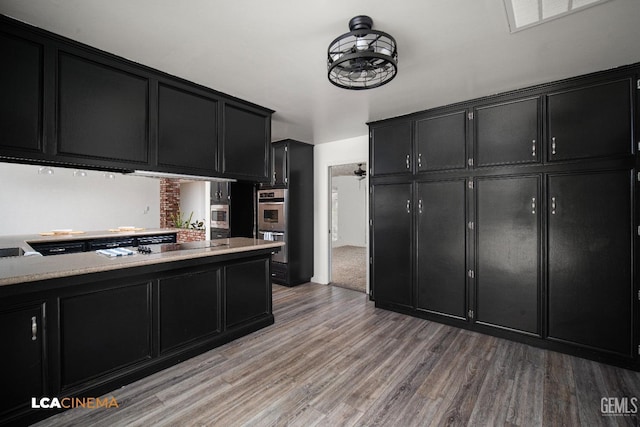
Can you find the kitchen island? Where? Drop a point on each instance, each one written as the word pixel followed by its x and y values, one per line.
pixel 82 324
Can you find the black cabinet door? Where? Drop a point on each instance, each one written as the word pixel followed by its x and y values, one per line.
pixel 219 192
pixel 392 244
pixel 189 308
pixel 590 260
pixel 22 368
pixel 103 115
pixel 441 142
pixel 391 148
pixel 441 248
pixel 507 133
pixel 104 331
pixel 592 121
pixel 187 131
pixel 247 291
pixel 246 144
pixel 280 172
pixel 508 248
pixel 21 102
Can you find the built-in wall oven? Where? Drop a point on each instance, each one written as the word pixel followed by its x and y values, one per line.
pixel 272 219
pixel 219 221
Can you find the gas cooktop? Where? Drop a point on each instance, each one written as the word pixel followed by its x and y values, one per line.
pixel 170 247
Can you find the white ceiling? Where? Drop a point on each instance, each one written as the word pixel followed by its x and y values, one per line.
pixel 273 52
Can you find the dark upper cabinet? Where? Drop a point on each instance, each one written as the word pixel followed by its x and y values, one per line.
pixel 507 133
pixel 187 131
pixel 219 193
pixel 280 170
pixel 246 296
pixel 590 238
pixel 441 142
pixel 21 103
pixel 103 113
pixel 589 122
pixel 391 148
pixel 110 328
pixel 188 308
pixel 392 247
pixel 22 369
pixel 441 256
pixel 246 143
pixel 508 248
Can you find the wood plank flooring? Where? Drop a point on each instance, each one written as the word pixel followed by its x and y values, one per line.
pixel 332 359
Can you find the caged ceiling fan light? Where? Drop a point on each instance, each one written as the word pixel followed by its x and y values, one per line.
pixel 362 58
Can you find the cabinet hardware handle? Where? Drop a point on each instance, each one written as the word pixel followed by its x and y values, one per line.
pixel 419 160
pixel 408 162
pixel 408 206
pixel 553 206
pixel 533 205
pixel 58 250
pixel 420 206
pixel 34 328
pixel 533 148
pixel 553 145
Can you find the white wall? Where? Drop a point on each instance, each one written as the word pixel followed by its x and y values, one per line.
pixel 352 150
pixel 352 211
pixel 31 203
pixel 194 197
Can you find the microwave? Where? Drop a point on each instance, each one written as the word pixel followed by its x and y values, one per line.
pixel 220 216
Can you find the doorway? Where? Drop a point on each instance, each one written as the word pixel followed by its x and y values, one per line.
pixel 348 188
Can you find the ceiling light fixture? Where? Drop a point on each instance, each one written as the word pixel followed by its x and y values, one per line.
pixel 362 58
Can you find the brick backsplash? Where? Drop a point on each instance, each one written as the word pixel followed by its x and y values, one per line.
pixel 170 205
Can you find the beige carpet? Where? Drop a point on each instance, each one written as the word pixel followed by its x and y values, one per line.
pixel 348 267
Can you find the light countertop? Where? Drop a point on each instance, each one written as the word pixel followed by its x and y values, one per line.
pixel 15 270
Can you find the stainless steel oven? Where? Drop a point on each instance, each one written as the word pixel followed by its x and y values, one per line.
pixel 272 219
pixel 272 212
pixel 276 236
pixel 220 216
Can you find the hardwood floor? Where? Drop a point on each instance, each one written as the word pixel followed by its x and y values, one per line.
pixel 332 359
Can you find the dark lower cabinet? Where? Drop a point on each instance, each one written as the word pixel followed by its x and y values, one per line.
pixel 104 331
pixel 590 238
pixel 441 256
pixel 103 112
pixel 188 308
pixel 22 369
pixel 392 247
pixel 508 248
pixel 247 292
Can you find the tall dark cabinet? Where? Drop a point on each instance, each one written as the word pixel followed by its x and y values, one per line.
pixel 293 170
pixel 516 215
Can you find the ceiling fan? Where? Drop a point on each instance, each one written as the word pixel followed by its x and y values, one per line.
pixel 360 173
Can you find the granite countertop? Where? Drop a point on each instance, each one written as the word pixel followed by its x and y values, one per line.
pixel 15 270
pixel 23 240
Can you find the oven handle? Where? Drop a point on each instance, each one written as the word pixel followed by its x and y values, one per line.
pixel 271 202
